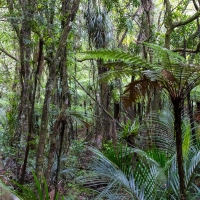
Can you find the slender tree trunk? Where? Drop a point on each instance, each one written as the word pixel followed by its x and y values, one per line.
pixel 50 85
pixel 53 144
pixel 62 133
pixel 31 115
pixel 44 125
pixel 105 101
pixel 116 111
pixel 178 107
pixel 156 99
pixel 190 111
pixel 23 32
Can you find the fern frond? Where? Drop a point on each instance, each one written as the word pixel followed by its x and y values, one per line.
pixel 113 74
pixel 116 55
pixel 137 89
pixel 80 117
pixel 164 55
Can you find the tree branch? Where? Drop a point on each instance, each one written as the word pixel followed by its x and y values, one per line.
pixel 195 4
pixel 186 50
pixel 187 21
pixel 126 30
pixel 8 54
pixel 66 30
pixel 168 14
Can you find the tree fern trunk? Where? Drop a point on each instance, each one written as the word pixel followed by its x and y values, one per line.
pixel 190 111
pixel 177 104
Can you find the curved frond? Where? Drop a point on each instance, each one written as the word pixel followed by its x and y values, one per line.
pixel 116 55
pixel 165 55
pixel 113 74
pixel 192 164
pixel 113 183
pixel 137 89
pixel 160 127
pixel 80 117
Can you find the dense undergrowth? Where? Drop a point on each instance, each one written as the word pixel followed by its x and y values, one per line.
pixel 123 170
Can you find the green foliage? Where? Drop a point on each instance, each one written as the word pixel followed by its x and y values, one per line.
pixel 80 117
pixel 120 70
pixel 120 155
pixel 169 69
pixel 124 181
pixel 116 95
pixel 195 93
pixel 187 139
pixel 132 173
pixel 39 194
pixel 152 176
pixel 130 129
pixel 115 55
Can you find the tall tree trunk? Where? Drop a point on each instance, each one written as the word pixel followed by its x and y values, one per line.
pixel 31 115
pixel 178 108
pixel 23 32
pixel 104 101
pixel 190 111
pixel 74 5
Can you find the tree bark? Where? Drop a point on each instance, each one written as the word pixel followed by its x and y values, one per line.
pixel 190 111
pixel 31 115
pixel 51 85
pixel 105 101
pixel 25 115
pixel 178 107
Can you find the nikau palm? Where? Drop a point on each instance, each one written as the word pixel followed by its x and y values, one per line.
pixel 170 72
pixel 123 172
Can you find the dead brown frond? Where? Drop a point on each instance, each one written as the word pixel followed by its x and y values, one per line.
pixel 168 75
pixel 137 89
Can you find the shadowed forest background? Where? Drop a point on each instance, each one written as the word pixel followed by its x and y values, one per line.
pixel 100 99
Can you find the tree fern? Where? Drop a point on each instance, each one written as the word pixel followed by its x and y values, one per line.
pixel 116 55
pixel 163 55
pixel 137 89
pixel 172 73
pixel 169 68
pixel 112 74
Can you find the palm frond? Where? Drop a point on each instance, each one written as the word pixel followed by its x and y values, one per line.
pixel 174 183
pixel 192 164
pixel 187 137
pixel 113 182
pixel 122 156
pixel 160 127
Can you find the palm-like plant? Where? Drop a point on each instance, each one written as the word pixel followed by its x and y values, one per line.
pixel 168 71
pixel 122 172
pixel 117 181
